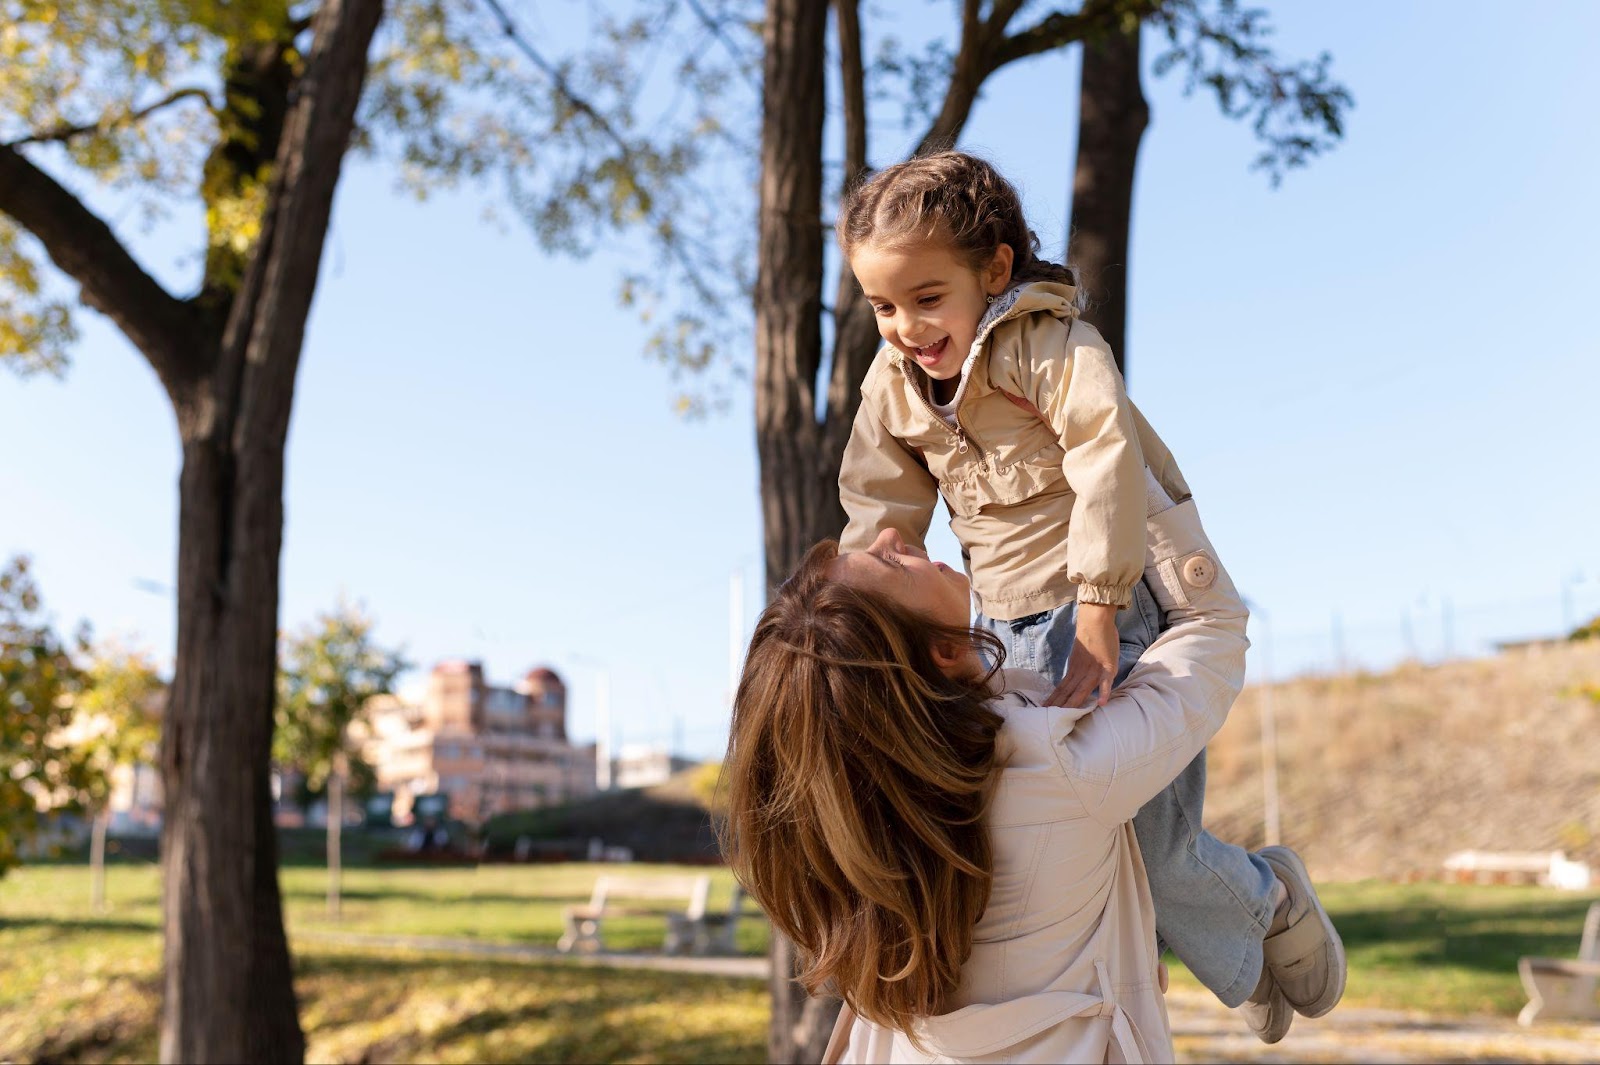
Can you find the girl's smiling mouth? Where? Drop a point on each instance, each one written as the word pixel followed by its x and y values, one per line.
pixel 932 353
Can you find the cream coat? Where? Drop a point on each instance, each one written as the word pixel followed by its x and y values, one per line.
pixel 1064 964
pixel 1046 443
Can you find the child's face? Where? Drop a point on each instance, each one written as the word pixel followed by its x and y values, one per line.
pixel 928 300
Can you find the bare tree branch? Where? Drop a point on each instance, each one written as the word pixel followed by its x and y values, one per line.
pixel 741 62
pixel 65 133
pixel 854 328
pixel 1059 28
pixel 162 327
pixel 853 75
pixel 967 72
pixel 1001 14
pixel 663 227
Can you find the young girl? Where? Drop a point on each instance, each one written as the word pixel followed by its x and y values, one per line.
pixel 992 393
pixel 949 856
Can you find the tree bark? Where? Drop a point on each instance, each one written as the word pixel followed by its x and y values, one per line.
pixel 1112 116
pixel 799 498
pixel 229 994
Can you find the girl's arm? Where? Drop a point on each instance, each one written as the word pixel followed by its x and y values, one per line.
pixel 1180 692
pixel 883 485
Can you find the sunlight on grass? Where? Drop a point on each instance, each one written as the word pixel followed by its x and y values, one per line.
pixel 1444 948
pixel 75 987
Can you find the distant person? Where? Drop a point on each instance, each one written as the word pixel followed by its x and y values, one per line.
pixel 993 393
pixel 949 855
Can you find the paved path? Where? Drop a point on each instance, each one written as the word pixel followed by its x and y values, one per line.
pixel 755 968
pixel 1203 1029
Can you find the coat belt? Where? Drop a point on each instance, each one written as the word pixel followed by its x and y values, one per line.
pixel 984 1029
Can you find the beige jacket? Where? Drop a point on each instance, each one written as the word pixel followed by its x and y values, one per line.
pixel 1048 442
pixel 1064 964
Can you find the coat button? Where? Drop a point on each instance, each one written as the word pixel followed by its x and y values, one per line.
pixel 1198 572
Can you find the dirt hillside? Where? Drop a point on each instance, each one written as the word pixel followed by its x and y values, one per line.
pixel 1383 775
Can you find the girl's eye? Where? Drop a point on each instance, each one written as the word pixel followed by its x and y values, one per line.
pixel 882 308
pixel 928 301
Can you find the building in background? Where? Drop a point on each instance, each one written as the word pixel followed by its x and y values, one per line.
pixel 485 749
pixel 638 766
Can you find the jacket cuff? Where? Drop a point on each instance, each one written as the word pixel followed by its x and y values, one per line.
pixel 1117 595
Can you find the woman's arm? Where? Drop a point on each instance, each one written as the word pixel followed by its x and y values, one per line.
pixel 1121 755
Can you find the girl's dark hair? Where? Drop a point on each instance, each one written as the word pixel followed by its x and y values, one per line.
pixel 949 196
pixel 857 778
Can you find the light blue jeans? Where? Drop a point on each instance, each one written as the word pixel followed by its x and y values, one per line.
pixel 1213 900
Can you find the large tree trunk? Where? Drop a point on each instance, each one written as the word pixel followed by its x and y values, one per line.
pixel 799 494
pixel 229 994
pixel 1112 115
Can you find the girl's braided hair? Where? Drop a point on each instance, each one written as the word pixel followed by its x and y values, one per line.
pixel 951 197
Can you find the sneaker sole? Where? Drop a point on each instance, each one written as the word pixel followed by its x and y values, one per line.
pixel 1276 1016
pixel 1290 861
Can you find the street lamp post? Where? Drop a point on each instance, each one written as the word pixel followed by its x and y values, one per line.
pixel 1269 732
pixel 602 713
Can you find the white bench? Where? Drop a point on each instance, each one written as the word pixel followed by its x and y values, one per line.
pixel 1517 867
pixel 1563 989
pixel 683 929
pixel 718 932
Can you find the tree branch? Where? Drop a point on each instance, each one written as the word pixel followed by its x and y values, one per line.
pixel 742 63
pixel 65 133
pixel 266 329
pixel 966 76
pixel 853 325
pixel 853 75
pixel 1058 29
pixel 163 328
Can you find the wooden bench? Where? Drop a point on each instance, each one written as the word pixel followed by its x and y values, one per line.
pixel 1563 989
pixel 683 929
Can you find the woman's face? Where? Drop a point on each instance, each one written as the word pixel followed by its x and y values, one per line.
pixel 907 575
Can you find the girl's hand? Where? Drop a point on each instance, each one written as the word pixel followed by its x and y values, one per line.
pixel 1093 662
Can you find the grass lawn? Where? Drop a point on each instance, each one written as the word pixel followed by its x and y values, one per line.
pixel 75 987
pixel 1445 948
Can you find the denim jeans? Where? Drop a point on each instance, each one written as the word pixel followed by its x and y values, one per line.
pixel 1213 900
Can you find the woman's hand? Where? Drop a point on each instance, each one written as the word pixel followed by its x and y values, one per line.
pixel 1093 662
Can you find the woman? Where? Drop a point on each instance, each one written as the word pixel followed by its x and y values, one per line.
pixel 950 857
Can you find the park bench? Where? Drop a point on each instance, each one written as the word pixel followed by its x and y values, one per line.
pixel 1561 988
pixel 583 923
pixel 718 932
pixel 1517 867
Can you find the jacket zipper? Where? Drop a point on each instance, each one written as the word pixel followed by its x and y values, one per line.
pixel 959 432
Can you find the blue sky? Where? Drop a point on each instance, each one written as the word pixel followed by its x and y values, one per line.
pixel 1380 379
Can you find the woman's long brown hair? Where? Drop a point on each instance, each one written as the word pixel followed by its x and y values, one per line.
pixel 857 777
